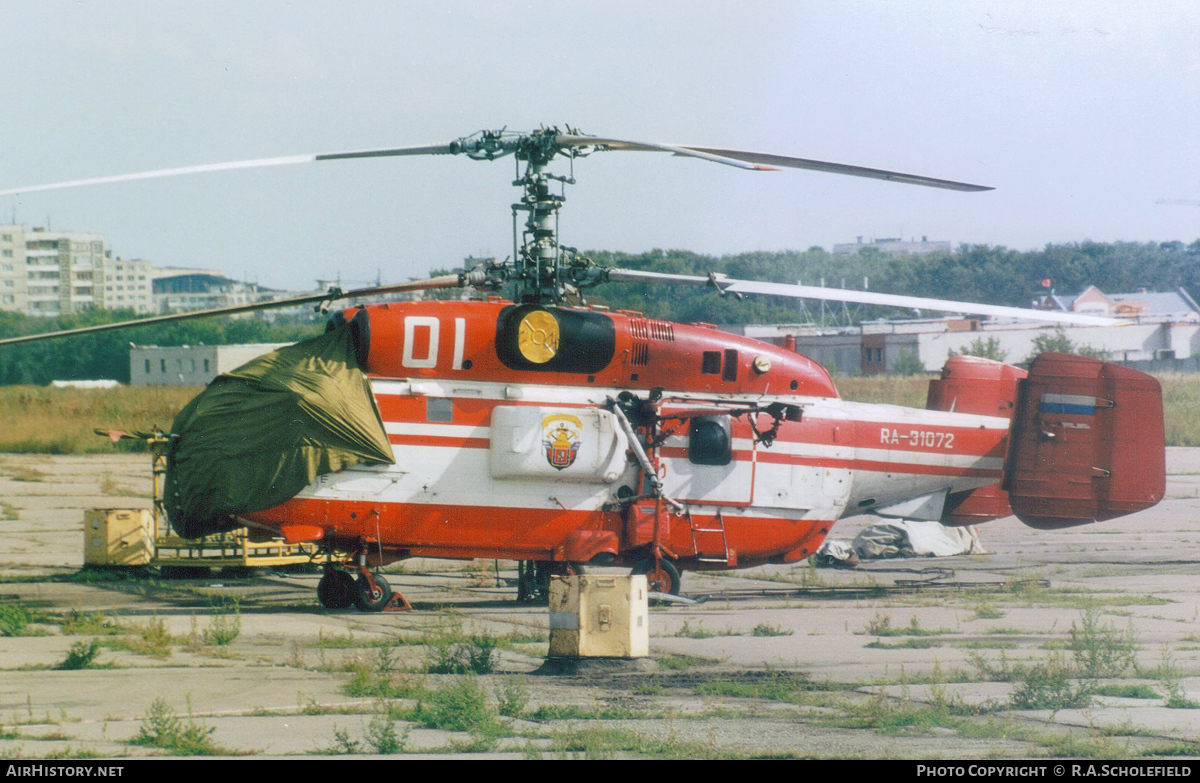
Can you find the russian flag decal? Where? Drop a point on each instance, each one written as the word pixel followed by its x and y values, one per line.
pixel 1078 404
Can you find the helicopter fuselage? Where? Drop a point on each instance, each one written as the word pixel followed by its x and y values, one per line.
pixel 507 433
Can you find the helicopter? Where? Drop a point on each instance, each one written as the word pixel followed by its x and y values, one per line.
pixel 526 424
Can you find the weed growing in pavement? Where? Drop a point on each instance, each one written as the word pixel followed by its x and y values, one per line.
pixel 80 656
pixel 1101 651
pixel 767 629
pixel 162 728
pixel 453 652
pixel 1051 685
pixel 460 706
pixel 986 610
pixel 1172 679
pixel 225 625
pixel 380 735
pixel 512 697
pixel 342 744
pixel 382 681
pixel 699 632
pixel 881 625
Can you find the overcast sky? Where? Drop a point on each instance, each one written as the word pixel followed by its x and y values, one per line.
pixel 1081 114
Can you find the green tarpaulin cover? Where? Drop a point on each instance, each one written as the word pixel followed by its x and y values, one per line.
pixel 261 433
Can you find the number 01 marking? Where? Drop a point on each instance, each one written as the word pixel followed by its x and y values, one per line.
pixel 429 360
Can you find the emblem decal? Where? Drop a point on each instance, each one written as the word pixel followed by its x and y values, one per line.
pixel 561 434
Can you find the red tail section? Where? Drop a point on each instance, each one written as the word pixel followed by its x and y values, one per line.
pixel 970 384
pixel 1086 443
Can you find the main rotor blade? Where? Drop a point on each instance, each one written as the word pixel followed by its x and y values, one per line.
pixel 568 140
pixel 289 160
pixel 761 161
pixel 445 281
pixel 865 297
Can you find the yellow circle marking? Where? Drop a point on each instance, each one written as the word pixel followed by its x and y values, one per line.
pixel 537 337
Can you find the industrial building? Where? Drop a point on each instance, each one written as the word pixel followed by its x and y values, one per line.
pixel 893 245
pixel 189 365
pixel 1162 334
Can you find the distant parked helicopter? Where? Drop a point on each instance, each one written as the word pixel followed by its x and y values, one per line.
pixel 531 426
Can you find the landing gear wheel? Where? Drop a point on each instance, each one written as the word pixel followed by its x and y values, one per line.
pixel 569 569
pixel 661 575
pixel 372 599
pixel 336 589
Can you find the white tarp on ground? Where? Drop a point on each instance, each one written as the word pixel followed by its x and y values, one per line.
pixel 905 538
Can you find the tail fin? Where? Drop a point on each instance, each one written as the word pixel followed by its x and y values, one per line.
pixel 1086 443
pixel 970 384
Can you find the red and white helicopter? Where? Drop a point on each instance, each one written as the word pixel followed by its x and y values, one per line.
pixel 526 427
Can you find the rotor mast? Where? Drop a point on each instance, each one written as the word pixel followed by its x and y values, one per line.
pixel 543 271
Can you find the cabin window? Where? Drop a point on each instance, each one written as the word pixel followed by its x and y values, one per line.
pixel 710 363
pixel 147 366
pixel 710 441
pixel 731 366
pixel 439 409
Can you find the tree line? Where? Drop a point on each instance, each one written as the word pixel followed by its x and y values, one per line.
pixel 980 273
pixel 106 354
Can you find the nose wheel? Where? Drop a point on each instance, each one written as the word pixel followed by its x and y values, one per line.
pixel 372 593
pixel 337 589
pixel 340 589
pixel 661 575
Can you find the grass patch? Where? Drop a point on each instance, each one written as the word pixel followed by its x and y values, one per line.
pixel 45 420
pixel 984 644
pixel 77 623
pixel 986 610
pixel 907 644
pixel 474 654
pixel 150 639
pixel 679 662
pixel 617 711
pixel 767 629
pixel 607 743
pixel 1032 593
pixel 24 473
pixel 460 706
pixel 16 619
pixel 383 680
pixel 1127 691
pixel 771 685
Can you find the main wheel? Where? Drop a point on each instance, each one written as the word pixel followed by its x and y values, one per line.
pixel 372 599
pixel 661 575
pixel 336 589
